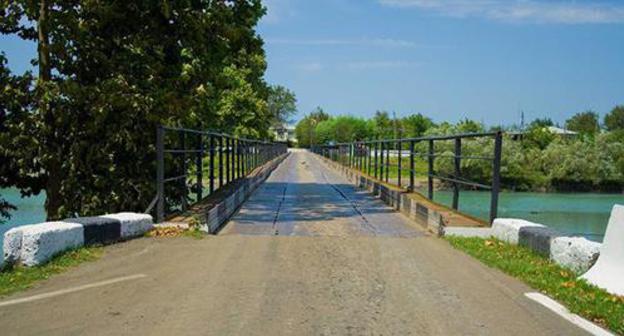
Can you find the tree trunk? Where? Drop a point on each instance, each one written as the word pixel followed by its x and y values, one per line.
pixel 43 46
pixel 53 184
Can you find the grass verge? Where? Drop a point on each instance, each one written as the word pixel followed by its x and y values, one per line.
pixel 549 278
pixel 19 278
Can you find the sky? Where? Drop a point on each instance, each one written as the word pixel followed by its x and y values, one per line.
pixel 486 60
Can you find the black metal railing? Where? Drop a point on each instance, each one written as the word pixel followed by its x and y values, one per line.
pixel 192 162
pixel 395 160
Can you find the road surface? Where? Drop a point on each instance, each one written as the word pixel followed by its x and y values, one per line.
pixel 307 255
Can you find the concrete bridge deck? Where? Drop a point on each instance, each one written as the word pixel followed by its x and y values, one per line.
pixel 307 255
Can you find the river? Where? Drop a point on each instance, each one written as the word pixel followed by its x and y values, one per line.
pixel 583 214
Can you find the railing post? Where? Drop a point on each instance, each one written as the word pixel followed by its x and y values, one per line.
pixel 369 158
pixel 376 158
pixel 498 148
pixel 387 162
pixel 381 159
pixel 412 166
pixel 220 161
pixel 227 160
pixel 232 160
pixel 430 169
pixel 400 153
pixel 457 159
pixel 160 173
pixel 185 170
pixel 199 165
pixel 212 159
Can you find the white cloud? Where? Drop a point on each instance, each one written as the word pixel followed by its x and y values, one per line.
pixel 277 10
pixel 380 65
pixel 310 67
pixel 559 11
pixel 374 42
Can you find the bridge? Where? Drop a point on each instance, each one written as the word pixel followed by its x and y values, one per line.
pixel 307 253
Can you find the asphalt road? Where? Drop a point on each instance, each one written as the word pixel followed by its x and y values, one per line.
pixel 308 255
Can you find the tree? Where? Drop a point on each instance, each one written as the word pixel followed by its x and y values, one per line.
pixel 469 126
pixel 15 95
pixel 109 73
pixel 305 131
pixel 416 125
pixel 342 129
pixel 282 104
pixel 5 207
pixel 384 126
pixel 544 122
pixel 614 120
pixel 584 123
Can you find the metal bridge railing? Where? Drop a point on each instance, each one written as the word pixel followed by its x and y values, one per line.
pixel 378 158
pixel 190 162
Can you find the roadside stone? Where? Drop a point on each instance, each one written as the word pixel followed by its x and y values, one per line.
pixel 508 229
pixel 43 241
pixel 132 224
pixel 12 248
pixel 98 230
pixel 575 253
pixel 537 238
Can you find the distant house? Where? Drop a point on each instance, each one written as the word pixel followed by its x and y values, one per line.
pixel 519 135
pixel 562 131
pixel 284 133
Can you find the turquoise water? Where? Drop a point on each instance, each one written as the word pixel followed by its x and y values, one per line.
pixel 583 214
pixel 29 210
pixel 577 214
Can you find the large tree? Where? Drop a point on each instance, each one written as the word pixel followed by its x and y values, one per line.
pixel 305 131
pixel 282 104
pixel 109 73
pixel 614 120
pixel 416 125
pixel 584 123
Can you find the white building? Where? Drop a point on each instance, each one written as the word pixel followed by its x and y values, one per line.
pixel 284 133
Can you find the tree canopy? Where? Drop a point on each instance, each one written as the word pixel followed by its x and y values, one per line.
pixel 83 130
pixel 584 123
pixel 614 120
pixel 282 104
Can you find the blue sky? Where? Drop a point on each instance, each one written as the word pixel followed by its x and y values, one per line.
pixel 449 59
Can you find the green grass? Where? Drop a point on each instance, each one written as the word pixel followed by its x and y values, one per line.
pixel 557 282
pixel 19 278
pixel 194 233
pixel 420 168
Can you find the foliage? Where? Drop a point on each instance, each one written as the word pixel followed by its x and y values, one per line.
pixel 416 125
pixel 540 273
pixel 282 104
pixel 5 207
pixel 110 72
pixel 614 120
pixel 539 160
pixel 305 130
pixel 584 123
pixel 384 127
pixel 20 278
pixel 469 126
pixel 543 122
pixel 538 136
pixel 342 129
